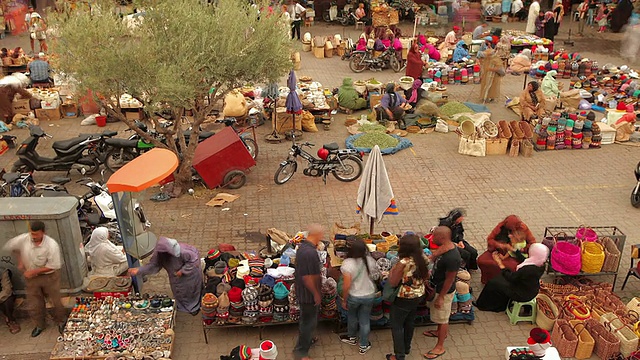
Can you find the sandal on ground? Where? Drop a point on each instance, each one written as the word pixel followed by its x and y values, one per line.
pixel 431 355
pixel 430 333
pixel 391 357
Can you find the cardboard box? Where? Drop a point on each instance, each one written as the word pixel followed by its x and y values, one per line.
pixel 69 110
pixel 133 115
pixel 21 106
pixel 318 52
pixel 374 100
pixel 48 114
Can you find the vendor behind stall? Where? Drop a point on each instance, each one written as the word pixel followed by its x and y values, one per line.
pixel 479 31
pixel 461 52
pixel 532 101
pixel 39 70
pixel 415 93
pixel 550 86
pixel 106 258
pixel 349 98
pixel 392 104
pixel 449 42
pixel 521 62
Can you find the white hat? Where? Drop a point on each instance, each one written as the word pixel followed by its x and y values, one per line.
pixel 268 350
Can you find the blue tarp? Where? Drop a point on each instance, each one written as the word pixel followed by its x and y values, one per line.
pixel 403 143
pixel 477 107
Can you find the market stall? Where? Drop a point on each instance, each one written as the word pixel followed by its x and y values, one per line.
pixel 521 40
pixel 110 326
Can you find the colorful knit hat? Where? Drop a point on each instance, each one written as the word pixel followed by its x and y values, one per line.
pixel 213 254
pixel 280 291
pixel 241 352
pixel 235 295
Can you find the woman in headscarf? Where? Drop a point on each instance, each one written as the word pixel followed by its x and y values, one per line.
pixel 521 62
pixel 414 62
pixel 499 242
pixel 182 263
pixel 491 73
pixel 503 48
pixel 362 43
pixel 460 54
pixel 106 258
pixel 532 101
pixel 468 253
pixel 550 85
pixel 521 285
pixel 349 98
pixel 392 104
pixel 431 50
pixel 549 25
pixel 414 94
pixel 558 15
pixel 540 22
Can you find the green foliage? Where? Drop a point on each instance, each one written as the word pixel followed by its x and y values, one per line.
pixel 178 52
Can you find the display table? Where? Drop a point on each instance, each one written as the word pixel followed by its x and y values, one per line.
pixel 552 353
pixel 98 328
pixel 603 231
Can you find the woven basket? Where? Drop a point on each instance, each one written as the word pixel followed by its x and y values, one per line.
pixel 607 344
pixel 380 18
pixel 564 338
pixel 611 255
pixel 586 343
pixel 634 304
pixel 394 17
pixel 546 305
pixel 628 339
pixel 592 257
pixel 566 258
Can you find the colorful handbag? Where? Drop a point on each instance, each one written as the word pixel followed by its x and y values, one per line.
pixel 566 258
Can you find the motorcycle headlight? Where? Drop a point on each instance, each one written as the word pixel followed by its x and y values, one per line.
pixel 291 152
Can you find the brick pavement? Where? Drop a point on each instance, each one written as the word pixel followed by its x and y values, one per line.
pixel 551 188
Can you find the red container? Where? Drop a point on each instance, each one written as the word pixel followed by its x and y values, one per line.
pixel 101 121
pixel 219 155
pixel 116 294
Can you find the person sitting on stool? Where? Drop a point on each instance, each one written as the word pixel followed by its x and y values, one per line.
pixel 39 70
pixel 8 300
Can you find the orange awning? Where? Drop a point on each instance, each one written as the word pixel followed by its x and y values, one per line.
pixel 144 171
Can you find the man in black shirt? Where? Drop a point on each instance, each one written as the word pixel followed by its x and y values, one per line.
pixel 308 282
pixel 444 280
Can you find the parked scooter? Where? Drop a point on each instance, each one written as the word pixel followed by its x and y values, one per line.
pixel 344 164
pixel 333 14
pixel 635 194
pixel 23 185
pixel 362 60
pixel 80 153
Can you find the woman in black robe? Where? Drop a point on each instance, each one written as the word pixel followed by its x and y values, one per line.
pixel 620 15
pixel 468 253
pixel 549 26
pixel 521 286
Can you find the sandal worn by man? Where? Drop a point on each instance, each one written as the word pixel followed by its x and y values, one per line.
pixel 430 333
pixel 14 327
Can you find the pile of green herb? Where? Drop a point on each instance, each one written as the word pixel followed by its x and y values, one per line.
pixel 371 139
pixel 372 128
pixel 454 107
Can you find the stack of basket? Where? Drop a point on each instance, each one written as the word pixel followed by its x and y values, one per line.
pixel 499 144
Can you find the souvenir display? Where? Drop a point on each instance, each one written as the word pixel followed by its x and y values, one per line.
pixel 128 327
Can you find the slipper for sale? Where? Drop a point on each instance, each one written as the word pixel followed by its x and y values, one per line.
pixel 430 333
pixel 431 355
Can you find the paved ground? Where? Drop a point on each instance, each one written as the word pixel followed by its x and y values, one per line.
pixel 564 188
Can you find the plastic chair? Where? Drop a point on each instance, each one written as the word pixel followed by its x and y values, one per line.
pixel 633 270
pixel 515 309
pixel 359 24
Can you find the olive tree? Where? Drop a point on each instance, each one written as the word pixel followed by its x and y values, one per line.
pixel 181 55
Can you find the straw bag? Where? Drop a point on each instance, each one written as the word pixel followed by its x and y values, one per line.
pixel 592 257
pixel 564 338
pixel 472 146
pixel 550 241
pixel 574 307
pixel 586 343
pixel 547 312
pixel 611 255
pixel 586 234
pixel 566 258
pixel 607 344
pixel 628 339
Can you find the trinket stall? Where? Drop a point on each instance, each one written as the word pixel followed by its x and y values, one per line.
pixel 131 326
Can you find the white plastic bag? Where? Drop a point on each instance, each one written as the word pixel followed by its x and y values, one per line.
pixel 442 126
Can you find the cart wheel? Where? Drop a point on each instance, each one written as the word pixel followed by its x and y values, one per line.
pixel 234 179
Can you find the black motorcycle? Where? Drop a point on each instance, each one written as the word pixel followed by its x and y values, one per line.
pixel 344 164
pixel 362 60
pixel 635 194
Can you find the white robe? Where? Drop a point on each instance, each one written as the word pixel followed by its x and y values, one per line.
pixel 534 11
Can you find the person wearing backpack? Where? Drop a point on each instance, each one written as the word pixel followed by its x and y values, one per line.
pixel 359 271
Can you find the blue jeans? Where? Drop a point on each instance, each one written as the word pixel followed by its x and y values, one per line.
pixel 359 315
pixel 590 14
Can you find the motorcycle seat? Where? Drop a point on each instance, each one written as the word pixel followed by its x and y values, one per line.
pixel 52 193
pixel 109 133
pixel 11 177
pixel 121 143
pixel 331 147
pixel 203 134
pixel 93 218
pixel 60 180
pixel 68 144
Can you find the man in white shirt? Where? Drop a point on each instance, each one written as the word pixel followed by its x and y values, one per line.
pixel 39 260
pixel 517 10
pixel 297 13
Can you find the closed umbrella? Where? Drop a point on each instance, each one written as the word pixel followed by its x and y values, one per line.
pixel 375 195
pixel 293 104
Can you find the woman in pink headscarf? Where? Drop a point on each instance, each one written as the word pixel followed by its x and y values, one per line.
pixel 414 94
pixel 521 285
pixel 362 43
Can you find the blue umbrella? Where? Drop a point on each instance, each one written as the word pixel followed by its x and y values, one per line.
pixel 293 104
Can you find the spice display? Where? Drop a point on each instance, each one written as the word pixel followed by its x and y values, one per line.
pixel 371 139
pixel 372 128
pixel 131 326
pixel 454 107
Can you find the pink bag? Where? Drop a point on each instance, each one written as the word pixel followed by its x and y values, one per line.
pixel 586 234
pixel 566 258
